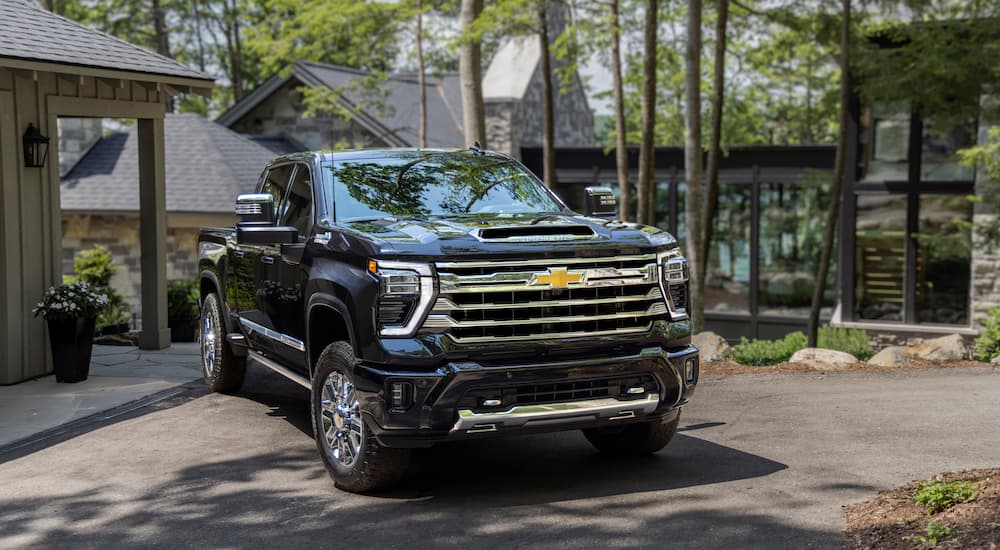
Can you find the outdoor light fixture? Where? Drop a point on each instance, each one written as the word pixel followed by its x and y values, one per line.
pixel 36 148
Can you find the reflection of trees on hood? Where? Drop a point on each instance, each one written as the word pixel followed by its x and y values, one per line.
pixel 449 183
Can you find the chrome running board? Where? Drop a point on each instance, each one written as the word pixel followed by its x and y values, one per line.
pixel 554 413
pixel 284 371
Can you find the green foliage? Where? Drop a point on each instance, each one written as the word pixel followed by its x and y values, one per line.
pixel 768 352
pixel 182 300
pixel 848 340
pixel 938 496
pixel 936 532
pixel 95 267
pixel 988 344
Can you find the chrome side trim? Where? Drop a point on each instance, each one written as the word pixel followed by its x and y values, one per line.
pixel 251 326
pixel 546 261
pixel 519 416
pixel 280 369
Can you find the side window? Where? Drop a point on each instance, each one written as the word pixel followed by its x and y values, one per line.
pixel 296 211
pixel 275 184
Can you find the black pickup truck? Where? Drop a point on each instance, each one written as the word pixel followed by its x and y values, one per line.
pixel 429 295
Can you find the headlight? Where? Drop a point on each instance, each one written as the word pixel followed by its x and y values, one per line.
pixel 674 277
pixel 406 292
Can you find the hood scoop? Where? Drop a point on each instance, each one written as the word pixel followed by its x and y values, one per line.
pixel 534 233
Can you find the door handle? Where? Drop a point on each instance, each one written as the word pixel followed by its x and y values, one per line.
pixel 239 253
pixel 267 259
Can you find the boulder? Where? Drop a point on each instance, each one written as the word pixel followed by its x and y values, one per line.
pixel 824 359
pixel 712 347
pixel 996 361
pixel 945 348
pixel 892 356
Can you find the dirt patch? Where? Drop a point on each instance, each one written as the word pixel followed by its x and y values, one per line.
pixel 893 521
pixel 729 368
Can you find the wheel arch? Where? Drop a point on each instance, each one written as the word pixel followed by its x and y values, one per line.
pixel 327 321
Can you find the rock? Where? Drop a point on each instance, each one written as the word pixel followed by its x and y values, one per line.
pixel 996 361
pixel 824 359
pixel 945 348
pixel 892 356
pixel 712 347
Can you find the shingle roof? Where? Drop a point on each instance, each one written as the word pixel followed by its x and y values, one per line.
pixel 207 165
pixel 398 126
pixel 32 33
pixel 279 145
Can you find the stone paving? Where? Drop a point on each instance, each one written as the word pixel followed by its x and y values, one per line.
pixel 118 375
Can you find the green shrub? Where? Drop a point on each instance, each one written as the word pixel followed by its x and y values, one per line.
pixel 95 266
pixel 182 301
pixel 936 532
pixel 938 496
pixel 768 352
pixel 848 340
pixel 988 345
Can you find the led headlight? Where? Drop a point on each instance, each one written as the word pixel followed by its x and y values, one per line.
pixel 674 282
pixel 406 291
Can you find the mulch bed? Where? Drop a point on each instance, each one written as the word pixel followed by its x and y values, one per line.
pixel 730 368
pixel 891 520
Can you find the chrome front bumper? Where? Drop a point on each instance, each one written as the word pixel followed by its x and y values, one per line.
pixel 555 413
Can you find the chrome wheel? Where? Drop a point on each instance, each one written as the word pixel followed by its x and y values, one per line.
pixel 207 344
pixel 344 431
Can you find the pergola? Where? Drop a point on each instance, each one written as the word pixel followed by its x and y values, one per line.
pixel 52 67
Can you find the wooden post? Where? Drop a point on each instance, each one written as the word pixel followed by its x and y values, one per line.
pixel 153 235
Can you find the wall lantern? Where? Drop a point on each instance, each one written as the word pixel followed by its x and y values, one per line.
pixel 36 148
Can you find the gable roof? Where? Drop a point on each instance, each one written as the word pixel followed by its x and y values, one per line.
pixel 207 165
pixel 510 72
pixel 397 126
pixel 31 33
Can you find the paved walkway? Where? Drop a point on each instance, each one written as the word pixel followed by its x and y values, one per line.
pixel 118 375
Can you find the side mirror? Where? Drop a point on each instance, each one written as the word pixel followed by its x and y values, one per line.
pixel 255 208
pixel 601 202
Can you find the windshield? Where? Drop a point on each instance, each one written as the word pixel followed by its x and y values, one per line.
pixel 435 184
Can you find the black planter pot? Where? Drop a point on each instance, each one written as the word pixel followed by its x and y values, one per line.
pixel 72 342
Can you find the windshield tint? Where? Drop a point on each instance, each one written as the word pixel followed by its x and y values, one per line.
pixel 428 184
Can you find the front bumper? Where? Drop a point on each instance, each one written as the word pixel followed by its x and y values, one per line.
pixel 437 406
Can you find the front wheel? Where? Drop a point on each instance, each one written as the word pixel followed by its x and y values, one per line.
pixel 633 439
pixel 352 456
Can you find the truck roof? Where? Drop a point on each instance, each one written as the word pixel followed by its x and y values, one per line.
pixel 378 153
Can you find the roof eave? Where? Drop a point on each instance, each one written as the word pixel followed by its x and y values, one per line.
pixel 178 84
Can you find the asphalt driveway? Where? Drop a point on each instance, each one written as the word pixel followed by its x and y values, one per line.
pixel 762 461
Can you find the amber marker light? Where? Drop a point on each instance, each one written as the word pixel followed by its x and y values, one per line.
pixel 372 267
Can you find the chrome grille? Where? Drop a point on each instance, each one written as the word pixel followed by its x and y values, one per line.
pixel 547 298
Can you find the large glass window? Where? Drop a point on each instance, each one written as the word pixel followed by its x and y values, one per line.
pixel 792 229
pixel 943 259
pixel 879 262
pixel 727 284
pixel 939 146
pixel 887 140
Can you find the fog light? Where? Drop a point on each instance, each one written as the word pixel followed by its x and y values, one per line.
pixel 690 369
pixel 400 394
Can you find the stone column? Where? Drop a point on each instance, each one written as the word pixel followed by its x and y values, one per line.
pixel 153 234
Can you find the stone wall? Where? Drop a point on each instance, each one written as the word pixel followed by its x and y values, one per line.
pixel 503 122
pixel 574 121
pixel 985 268
pixel 283 113
pixel 120 235
pixel 76 137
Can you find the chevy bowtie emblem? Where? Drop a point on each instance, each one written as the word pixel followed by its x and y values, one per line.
pixel 557 278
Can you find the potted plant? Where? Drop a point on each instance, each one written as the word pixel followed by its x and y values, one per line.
pixel 71 312
pixel 182 310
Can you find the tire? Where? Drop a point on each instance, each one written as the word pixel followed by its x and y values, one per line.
pixel 222 369
pixel 633 439
pixel 352 456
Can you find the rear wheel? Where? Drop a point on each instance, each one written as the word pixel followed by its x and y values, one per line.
pixel 223 370
pixel 352 456
pixel 633 439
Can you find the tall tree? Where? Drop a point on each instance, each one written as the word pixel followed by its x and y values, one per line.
pixel 693 201
pixel 421 76
pixel 470 71
pixel 648 122
pixel 838 174
pixel 715 140
pixel 548 107
pixel 621 144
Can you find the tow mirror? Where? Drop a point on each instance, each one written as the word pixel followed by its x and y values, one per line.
pixel 256 208
pixel 255 213
pixel 601 202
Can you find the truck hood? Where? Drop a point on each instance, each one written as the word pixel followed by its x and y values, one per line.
pixel 505 235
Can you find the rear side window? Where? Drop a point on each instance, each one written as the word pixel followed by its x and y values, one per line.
pixel 297 208
pixel 276 182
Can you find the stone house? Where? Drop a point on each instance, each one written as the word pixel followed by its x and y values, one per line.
pixel 206 166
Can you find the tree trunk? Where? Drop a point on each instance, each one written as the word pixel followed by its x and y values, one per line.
pixel 239 87
pixel 621 145
pixel 548 118
pixel 421 75
pixel 715 143
pixel 196 8
pixel 838 175
pixel 648 115
pixel 471 75
pixel 693 203
pixel 160 32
